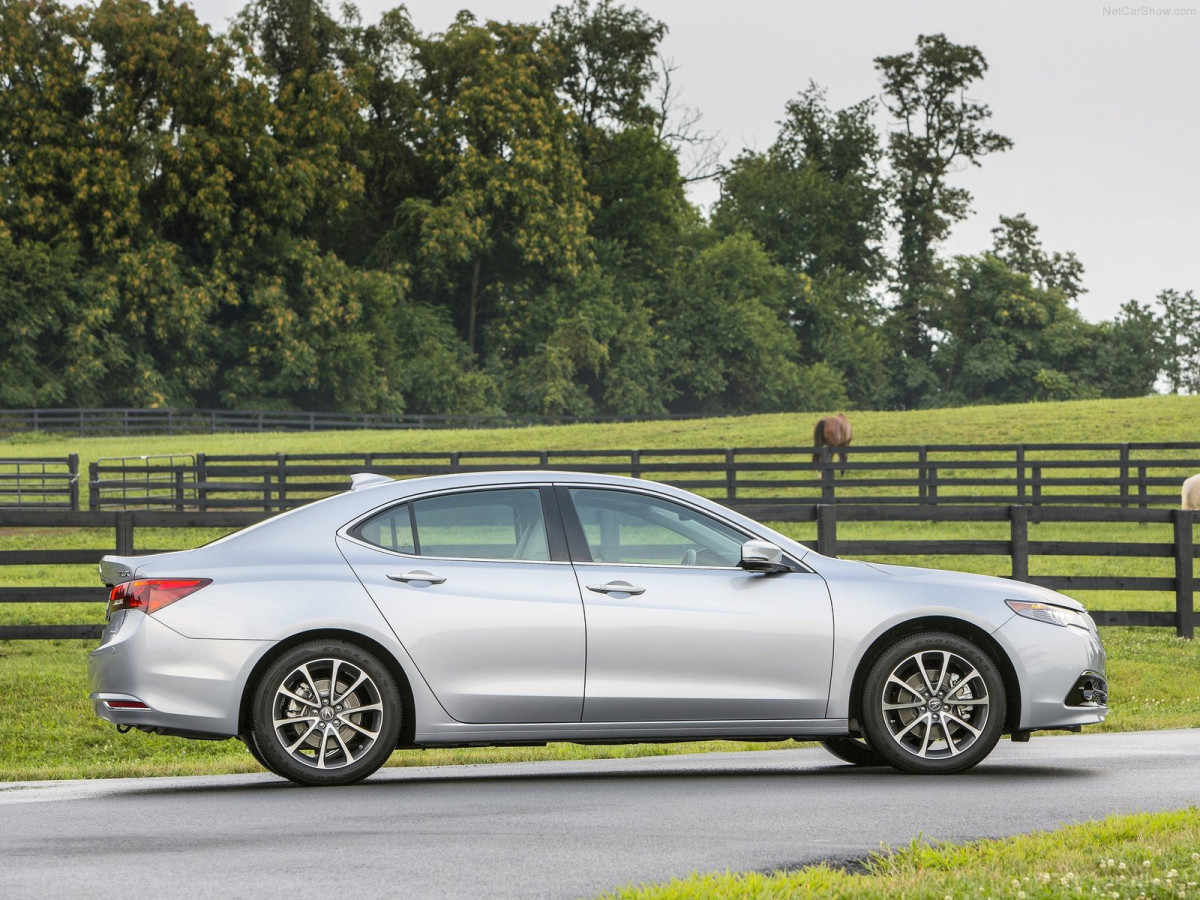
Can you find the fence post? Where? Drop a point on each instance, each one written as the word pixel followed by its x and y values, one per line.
pixel 922 476
pixel 201 482
pixel 124 529
pixel 827 479
pixel 730 475
pixel 73 470
pixel 635 463
pixel 827 529
pixel 1037 485
pixel 1124 474
pixel 1142 486
pixel 281 463
pixel 93 485
pixel 1020 473
pixel 1018 520
pixel 933 485
pixel 1185 575
pixel 179 490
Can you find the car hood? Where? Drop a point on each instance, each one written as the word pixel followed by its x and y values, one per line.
pixel 1015 590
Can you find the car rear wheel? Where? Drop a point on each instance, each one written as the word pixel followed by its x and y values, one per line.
pixel 933 703
pixel 855 751
pixel 325 713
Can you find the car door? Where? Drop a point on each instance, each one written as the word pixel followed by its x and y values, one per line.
pixel 676 630
pixel 478 588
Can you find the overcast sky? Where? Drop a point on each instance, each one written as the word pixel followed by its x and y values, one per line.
pixel 1101 100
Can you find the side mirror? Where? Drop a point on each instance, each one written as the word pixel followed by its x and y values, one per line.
pixel 762 556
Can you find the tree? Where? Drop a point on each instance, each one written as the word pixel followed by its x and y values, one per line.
pixel 724 340
pixel 606 56
pixel 939 128
pixel 1015 242
pixel 1181 335
pixel 510 201
pixel 1007 340
pixel 1127 355
pixel 814 199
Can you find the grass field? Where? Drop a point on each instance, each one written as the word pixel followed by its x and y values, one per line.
pixel 1136 856
pixel 53 733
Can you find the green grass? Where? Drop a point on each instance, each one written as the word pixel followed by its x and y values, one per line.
pixel 1146 855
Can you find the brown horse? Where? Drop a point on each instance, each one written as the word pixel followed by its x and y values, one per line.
pixel 832 431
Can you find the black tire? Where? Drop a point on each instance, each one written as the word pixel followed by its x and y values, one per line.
pixel 855 751
pixel 933 703
pixel 312 735
pixel 248 740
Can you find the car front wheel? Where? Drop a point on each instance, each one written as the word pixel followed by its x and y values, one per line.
pixel 933 703
pixel 325 713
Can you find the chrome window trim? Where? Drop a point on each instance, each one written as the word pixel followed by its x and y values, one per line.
pixel 344 531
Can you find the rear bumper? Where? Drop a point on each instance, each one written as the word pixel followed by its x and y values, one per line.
pixel 190 687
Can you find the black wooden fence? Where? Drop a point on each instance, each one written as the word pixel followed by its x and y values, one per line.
pixel 40 483
pixel 1128 474
pixel 124 526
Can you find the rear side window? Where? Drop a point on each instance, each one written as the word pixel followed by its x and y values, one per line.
pixel 391 530
pixel 500 524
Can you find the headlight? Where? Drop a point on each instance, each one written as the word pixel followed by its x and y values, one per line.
pixel 1051 615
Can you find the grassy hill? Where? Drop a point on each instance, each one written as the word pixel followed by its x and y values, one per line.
pixel 1143 419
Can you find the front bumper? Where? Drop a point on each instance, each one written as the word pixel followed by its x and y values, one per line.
pixel 1053 663
pixel 190 687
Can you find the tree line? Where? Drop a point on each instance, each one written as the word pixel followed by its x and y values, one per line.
pixel 309 211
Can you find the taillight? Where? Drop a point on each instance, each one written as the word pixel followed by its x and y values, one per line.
pixel 152 594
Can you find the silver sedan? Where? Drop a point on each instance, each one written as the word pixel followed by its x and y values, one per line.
pixel 517 608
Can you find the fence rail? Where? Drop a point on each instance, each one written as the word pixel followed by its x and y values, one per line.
pixel 1129 474
pixel 126 421
pixel 1182 548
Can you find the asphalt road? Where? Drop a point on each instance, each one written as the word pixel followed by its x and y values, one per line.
pixel 555 830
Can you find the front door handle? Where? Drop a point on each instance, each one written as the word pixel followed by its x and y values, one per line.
pixel 616 587
pixel 418 575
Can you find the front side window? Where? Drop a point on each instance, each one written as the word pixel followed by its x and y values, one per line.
pixel 502 524
pixel 636 529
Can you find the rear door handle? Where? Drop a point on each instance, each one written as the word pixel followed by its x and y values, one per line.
pixel 418 575
pixel 616 587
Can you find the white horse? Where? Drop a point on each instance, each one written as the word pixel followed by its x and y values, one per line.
pixel 1191 493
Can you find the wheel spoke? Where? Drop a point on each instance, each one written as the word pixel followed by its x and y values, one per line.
pixel 903 685
pixel 370 707
pixel 944 671
pixel 303 738
pixel 954 751
pixel 898 735
pixel 337 663
pixel 363 731
pixel 924 751
pixel 291 695
pixel 350 690
pixel 916 704
pixel 312 685
pixel 964 724
pixel 963 683
pixel 294 720
pixel 921 668
pixel 345 749
pixel 321 756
